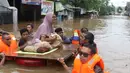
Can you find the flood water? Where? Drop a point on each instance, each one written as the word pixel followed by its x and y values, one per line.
pixel 112 35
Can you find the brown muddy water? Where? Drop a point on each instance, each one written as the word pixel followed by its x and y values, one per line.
pixel 112 35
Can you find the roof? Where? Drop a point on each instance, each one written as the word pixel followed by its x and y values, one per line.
pixel 72 7
pixel 68 6
pixel 59 6
pixel 69 9
pixel 91 11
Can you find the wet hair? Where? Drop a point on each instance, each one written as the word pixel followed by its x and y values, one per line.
pixel 90 37
pixel 23 30
pixel 57 30
pixel 32 25
pixel 82 30
pixel 92 47
pixel 4 33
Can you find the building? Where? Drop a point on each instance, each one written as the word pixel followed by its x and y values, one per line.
pixel 128 9
pixel 6 12
pixel 68 12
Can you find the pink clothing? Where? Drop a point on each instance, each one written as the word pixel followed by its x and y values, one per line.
pixel 45 28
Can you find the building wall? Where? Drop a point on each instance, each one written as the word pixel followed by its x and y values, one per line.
pixel 128 8
pixel 5 13
pixel 31 12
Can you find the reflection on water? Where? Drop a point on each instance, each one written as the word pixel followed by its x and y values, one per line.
pixel 112 35
pixel 113 42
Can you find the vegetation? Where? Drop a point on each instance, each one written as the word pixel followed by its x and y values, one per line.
pixel 119 9
pixel 99 5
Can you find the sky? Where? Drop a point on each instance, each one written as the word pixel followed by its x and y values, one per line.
pixel 119 2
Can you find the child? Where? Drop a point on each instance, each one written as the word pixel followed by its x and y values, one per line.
pixel 30 28
pixel 59 31
pixel 24 39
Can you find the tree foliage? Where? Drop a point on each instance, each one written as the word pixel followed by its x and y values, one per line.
pixel 119 9
pixel 100 5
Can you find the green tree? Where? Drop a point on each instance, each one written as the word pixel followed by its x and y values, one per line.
pixel 100 5
pixel 64 1
pixel 126 8
pixel 119 9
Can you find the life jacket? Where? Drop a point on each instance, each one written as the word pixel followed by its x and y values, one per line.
pixel 88 67
pixel 8 50
pixel 76 38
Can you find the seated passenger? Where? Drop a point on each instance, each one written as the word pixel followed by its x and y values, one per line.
pixel 30 28
pixel 60 32
pixel 23 42
pixel 42 45
pixel 57 43
pixel 26 45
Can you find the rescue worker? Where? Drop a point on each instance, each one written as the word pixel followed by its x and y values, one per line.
pixel 87 61
pixel 8 44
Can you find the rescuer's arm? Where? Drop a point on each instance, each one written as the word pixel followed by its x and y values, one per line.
pixel 61 60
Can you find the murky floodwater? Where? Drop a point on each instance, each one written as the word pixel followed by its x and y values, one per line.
pixel 112 35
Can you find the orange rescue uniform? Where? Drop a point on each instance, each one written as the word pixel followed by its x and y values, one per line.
pixel 8 49
pixel 88 67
